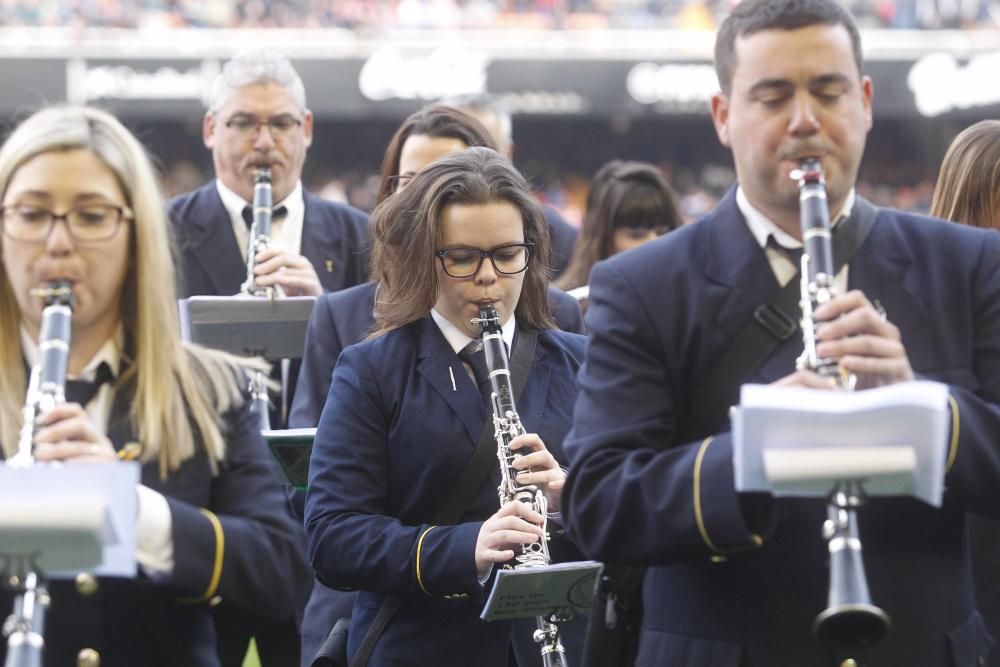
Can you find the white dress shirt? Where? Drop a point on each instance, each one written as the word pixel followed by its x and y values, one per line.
pixel 761 227
pixel 286 233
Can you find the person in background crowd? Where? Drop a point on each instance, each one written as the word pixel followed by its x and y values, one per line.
pixel 629 203
pixel 736 579
pixel 404 415
pixel 80 203
pixel 496 118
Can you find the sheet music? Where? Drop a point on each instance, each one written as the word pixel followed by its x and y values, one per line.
pixel 794 441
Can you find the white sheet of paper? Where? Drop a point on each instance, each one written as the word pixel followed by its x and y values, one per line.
pixel 71 518
pixel 794 441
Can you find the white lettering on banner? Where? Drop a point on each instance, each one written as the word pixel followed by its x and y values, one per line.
pixel 939 84
pixel 673 87
pixel 446 71
pixel 122 82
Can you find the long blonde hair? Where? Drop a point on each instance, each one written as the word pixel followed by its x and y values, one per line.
pixel 180 391
pixel 968 187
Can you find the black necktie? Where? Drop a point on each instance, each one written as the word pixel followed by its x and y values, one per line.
pixel 474 355
pixel 276 214
pixel 794 255
pixel 83 391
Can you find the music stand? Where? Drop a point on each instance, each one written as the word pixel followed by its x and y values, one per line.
pixel 291 449
pixel 848 447
pixel 247 325
pixel 561 589
pixel 60 521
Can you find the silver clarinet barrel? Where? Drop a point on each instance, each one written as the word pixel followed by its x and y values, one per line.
pixel 851 622
pixel 259 240
pixel 25 627
pixel 47 381
pixel 260 231
pixel 507 426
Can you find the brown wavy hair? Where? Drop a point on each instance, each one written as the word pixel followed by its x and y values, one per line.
pixel 436 120
pixel 623 194
pixel 407 234
pixel 968 186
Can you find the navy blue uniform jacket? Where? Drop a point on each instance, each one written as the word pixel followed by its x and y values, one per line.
pixel 255 562
pixel 660 318
pixel 345 318
pixel 334 240
pixel 393 440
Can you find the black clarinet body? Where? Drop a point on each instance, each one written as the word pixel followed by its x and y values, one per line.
pixel 851 622
pixel 507 426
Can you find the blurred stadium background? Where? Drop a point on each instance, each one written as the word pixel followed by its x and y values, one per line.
pixel 587 80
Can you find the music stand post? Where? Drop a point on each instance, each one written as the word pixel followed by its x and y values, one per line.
pixel 58 522
pixel 249 326
pixel 847 447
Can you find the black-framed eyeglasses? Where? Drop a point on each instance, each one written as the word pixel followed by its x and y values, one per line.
pixel 249 126
pixel 89 223
pixel 508 259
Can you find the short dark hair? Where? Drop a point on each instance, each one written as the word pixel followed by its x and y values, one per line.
pixel 406 229
pixel 753 16
pixel 433 121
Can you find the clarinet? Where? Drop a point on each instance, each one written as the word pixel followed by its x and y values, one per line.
pixel 26 626
pixel 850 621
pixel 47 384
pixel 817 271
pixel 507 426
pixel 260 231
pixel 260 239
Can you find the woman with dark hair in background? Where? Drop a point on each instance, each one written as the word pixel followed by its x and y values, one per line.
pixel 629 203
pixel 404 416
pixel 968 191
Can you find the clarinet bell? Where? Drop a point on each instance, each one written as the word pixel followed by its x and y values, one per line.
pixel 852 626
pixel 850 621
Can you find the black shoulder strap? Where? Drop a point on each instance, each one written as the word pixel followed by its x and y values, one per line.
pixel 465 490
pixel 772 324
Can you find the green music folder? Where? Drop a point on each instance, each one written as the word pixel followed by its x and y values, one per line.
pixel 291 450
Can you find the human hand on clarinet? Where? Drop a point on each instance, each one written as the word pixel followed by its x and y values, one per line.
pixel 858 336
pixel 538 467
pixel 294 273
pixel 68 435
pixel 501 536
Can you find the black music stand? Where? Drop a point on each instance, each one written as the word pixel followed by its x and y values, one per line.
pixel 561 589
pixel 291 448
pixel 247 325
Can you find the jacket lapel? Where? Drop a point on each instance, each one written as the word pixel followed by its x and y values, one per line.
pixel 434 359
pixel 321 241
pixel 213 243
pixel 731 258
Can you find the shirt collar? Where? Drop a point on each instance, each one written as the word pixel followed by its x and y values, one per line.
pixel 293 203
pixel 109 353
pixel 458 339
pixel 762 227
